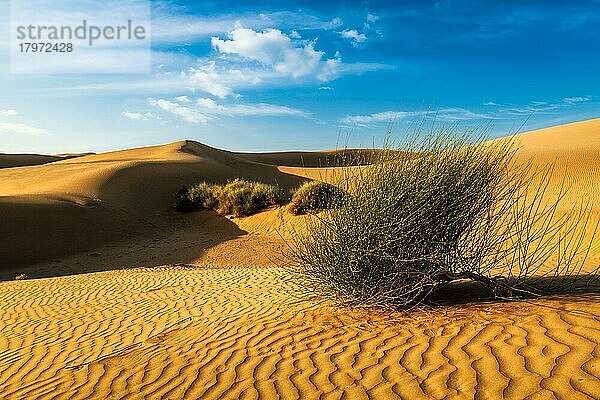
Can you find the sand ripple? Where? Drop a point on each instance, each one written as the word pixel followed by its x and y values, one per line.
pixel 178 332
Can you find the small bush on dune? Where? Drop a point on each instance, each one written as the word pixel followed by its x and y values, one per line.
pixel 432 213
pixel 202 196
pixel 238 197
pixel 313 196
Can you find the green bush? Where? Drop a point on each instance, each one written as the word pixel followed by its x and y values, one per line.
pixel 240 197
pixel 429 213
pixel 237 197
pixel 314 196
pixel 202 196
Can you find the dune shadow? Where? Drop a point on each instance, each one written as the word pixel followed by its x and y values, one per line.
pixel 131 223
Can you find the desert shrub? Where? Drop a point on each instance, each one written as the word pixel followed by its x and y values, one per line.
pixel 315 196
pixel 182 200
pixel 437 211
pixel 204 195
pixel 21 277
pixel 240 197
pixel 237 197
pixel 198 197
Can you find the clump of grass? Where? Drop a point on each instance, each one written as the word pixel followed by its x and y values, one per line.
pixel 237 197
pixel 21 277
pixel 202 196
pixel 314 196
pixel 240 197
pixel 432 212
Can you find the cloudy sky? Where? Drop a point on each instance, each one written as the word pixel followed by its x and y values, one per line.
pixel 271 75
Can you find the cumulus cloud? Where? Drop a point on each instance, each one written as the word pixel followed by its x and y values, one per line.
pixel 8 113
pixel 188 114
pixel 251 58
pixel 20 129
pixel 354 36
pixel 274 49
pixel 208 79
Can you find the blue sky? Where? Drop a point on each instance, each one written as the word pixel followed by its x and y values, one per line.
pixel 270 75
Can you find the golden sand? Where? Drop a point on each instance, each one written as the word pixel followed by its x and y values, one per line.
pixel 234 329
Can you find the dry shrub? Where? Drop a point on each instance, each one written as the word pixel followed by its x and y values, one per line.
pixel 435 211
pixel 314 196
pixel 237 197
pixel 240 197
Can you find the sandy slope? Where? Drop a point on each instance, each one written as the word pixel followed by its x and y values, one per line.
pixel 234 330
pixel 51 212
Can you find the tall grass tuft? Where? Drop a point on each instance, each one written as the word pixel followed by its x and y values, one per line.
pixel 434 211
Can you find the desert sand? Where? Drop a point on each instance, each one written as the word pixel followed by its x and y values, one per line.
pixel 137 301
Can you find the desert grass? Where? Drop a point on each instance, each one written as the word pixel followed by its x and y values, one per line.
pixel 430 212
pixel 314 196
pixel 238 197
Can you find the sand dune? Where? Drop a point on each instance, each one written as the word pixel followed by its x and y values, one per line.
pixel 53 211
pixel 229 326
pixel 21 160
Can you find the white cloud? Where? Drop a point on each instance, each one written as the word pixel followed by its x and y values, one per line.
pixel 328 88
pixel 372 18
pixel 295 35
pixel 576 99
pixel 544 107
pixel 209 106
pixel 188 114
pixel 168 27
pixel 336 22
pixel 385 116
pixel 208 79
pixel 275 49
pixel 138 116
pixel 354 36
pixel 259 58
pixel 20 129
pixel 442 115
pixel 206 103
pixel 203 110
pixel 183 99
pixel 8 113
